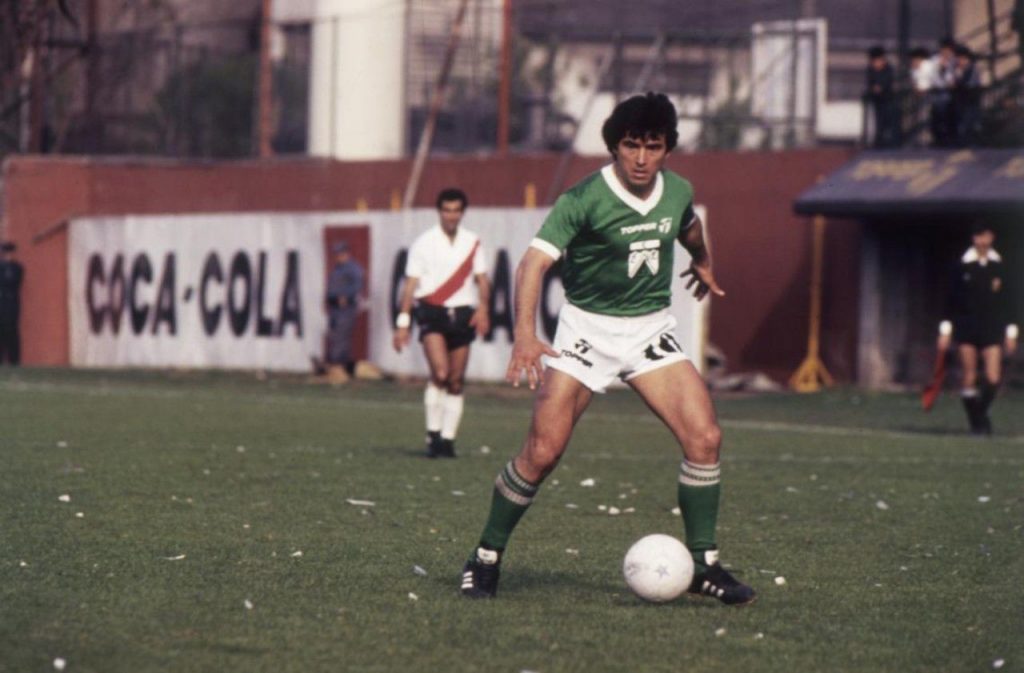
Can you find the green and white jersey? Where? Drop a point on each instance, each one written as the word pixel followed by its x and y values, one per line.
pixel 618 248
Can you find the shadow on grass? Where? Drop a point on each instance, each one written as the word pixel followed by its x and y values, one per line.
pixel 523 583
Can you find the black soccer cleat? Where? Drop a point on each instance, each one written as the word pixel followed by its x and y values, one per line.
pixel 717 582
pixel 433 444
pixel 480 574
pixel 446 448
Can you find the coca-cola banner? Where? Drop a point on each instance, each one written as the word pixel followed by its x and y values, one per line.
pixel 246 291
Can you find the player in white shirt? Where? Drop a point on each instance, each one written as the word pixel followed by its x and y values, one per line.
pixel 446 274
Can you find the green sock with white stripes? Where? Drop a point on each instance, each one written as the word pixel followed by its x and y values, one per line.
pixel 699 490
pixel 512 496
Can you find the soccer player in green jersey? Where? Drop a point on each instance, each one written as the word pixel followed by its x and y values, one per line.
pixel 616 230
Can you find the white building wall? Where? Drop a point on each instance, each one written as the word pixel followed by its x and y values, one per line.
pixel 357 84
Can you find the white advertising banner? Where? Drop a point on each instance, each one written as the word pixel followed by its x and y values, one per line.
pixel 246 291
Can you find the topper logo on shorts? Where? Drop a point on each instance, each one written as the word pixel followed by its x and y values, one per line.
pixel 581 347
pixel 667 344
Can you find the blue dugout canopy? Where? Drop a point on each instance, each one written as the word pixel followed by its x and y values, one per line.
pixel 921 182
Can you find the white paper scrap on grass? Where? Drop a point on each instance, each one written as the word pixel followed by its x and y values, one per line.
pixel 360 503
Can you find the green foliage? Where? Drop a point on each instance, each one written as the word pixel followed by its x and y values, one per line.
pixel 198 491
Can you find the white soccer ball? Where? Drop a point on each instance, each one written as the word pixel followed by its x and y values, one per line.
pixel 658 568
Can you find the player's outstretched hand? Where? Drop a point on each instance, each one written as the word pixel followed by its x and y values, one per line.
pixel 401 339
pixel 481 320
pixel 701 281
pixel 943 343
pixel 526 354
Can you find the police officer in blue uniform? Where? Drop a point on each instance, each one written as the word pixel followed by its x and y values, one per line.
pixel 344 285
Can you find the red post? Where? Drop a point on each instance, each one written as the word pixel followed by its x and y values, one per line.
pixel 505 84
pixel 265 113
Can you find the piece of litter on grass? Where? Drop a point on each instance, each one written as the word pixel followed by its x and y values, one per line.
pixel 64 498
pixel 780 580
pixel 588 482
pixel 998 663
pixel 676 511
pixel 458 493
pixel 485 449
pixel 22 564
pixel 79 515
pixel 297 553
pixel 791 489
pixel 419 571
pixel 413 597
pixel 622 496
pixel 246 526
pixel 629 510
pixel 435 478
pixel 882 505
pixel 360 503
pixel 62 444
pixel 603 508
pixel 719 632
pixel 904 568
pixel 571 505
pixel 240 448
pixel 555 482
pixel 59 663
pixel 248 604
pixel 758 636
pixel 614 511
pixel 179 557
pixel 983 498
pixel 572 552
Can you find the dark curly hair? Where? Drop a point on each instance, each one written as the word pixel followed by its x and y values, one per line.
pixel 640 117
pixel 452 194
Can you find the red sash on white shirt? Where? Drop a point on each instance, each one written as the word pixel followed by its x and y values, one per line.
pixel 439 296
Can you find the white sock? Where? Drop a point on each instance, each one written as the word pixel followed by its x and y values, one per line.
pixel 433 400
pixel 452 416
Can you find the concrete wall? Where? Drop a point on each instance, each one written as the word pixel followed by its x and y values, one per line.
pixel 761 250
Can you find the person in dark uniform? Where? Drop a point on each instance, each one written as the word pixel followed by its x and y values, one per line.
pixel 344 286
pixel 978 318
pixel 881 94
pixel 11 275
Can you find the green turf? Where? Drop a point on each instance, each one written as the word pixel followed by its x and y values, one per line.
pixel 237 475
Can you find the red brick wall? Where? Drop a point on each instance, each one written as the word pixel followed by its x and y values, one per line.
pixel 761 249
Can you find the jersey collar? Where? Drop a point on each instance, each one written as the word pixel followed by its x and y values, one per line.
pixel 972 256
pixel 642 206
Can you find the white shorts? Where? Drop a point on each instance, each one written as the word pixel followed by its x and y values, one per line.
pixel 597 349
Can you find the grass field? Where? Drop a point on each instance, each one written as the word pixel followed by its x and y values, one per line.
pixel 208 530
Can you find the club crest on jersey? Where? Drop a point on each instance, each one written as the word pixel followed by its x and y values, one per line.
pixel 665 225
pixel 644 253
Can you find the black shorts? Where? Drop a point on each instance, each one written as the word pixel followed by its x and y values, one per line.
pixel 450 322
pixel 980 334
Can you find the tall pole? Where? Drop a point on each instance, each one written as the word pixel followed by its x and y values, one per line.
pixel 265 130
pixel 904 36
pixel 427 136
pixel 993 40
pixel 505 83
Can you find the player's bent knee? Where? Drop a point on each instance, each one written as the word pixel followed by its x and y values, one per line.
pixel 702 445
pixel 540 456
pixel 455 386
